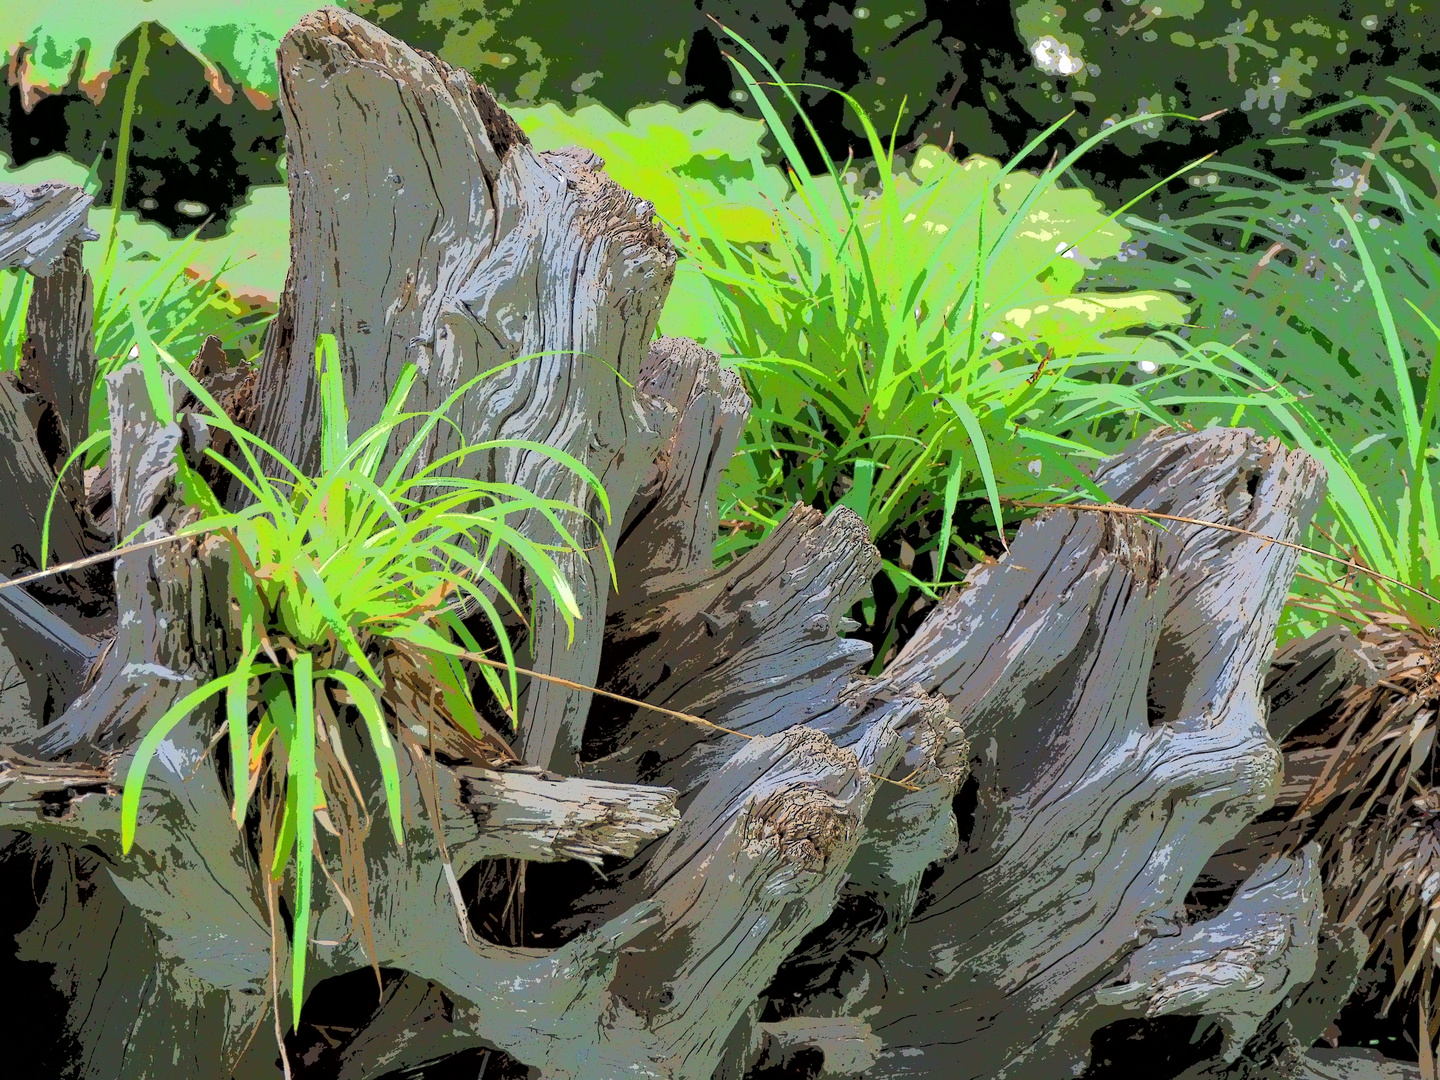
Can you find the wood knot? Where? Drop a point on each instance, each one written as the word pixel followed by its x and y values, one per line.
pixel 818 751
pixel 803 825
pixel 940 745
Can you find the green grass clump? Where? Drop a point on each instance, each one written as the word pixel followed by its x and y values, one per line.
pixel 380 550
pixel 920 345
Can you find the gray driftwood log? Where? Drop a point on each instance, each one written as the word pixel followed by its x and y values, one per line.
pixel 1085 721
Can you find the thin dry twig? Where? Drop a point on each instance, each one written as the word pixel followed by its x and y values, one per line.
pixel 94 560
pixel 1131 511
pixel 691 718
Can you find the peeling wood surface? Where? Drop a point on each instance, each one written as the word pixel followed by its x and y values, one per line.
pixel 547 818
pixel 1354 1064
pixel 846 1044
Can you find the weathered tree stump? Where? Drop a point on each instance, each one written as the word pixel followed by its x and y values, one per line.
pixel 1076 733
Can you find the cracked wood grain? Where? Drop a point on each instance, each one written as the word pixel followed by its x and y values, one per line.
pixel 426 230
pixel 1237 966
pixel 1091 720
pixel 753 646
pixel 169 638
pixel 58 362
pixel 1111 691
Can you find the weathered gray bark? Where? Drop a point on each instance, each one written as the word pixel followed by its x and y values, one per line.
pixel 798 888
pixel 42 228
pixel 51 658
pixel 846 1045
pixel 59 362
pixel 456 247
pixel 1110 684
pixel 174 597
pixel 1238 966
pixel 28 478
pixel 753 643
pixel 1298 1020
pixel 1309 675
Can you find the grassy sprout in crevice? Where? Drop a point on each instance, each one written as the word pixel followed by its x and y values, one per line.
pixel 920 346
pixel 378 551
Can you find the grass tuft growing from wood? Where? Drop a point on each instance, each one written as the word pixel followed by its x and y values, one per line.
pixel 380 550
pixel 918 345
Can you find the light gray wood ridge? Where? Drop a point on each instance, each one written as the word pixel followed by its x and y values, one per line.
pixel 59 357
pixel 846 1044
pixel 752 645
pixel 671 526
pixel 1237 966
pixel 1355 1064
pixel 1298 1021
pixel 38 223
pixel 51 656
pixel 1109 681
pixel 168 641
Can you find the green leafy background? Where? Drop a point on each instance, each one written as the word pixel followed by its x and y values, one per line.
pixel 80 41
pixel 984 75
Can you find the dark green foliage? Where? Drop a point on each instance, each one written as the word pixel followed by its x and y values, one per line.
pixel 194 156
pixel 969 70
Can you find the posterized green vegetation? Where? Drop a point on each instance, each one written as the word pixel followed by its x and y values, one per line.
pixel 143 278
pixel 1328 289
pixel 906 348
pixel 915 346
pixel 62 43
pixel 700 156
pixel 773 259
pixel 1269 60
pixel 933 302
pixel 325 569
